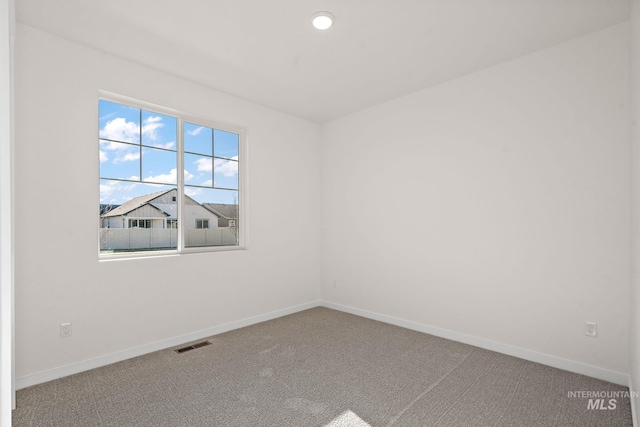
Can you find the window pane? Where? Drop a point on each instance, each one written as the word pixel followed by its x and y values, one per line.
pixel 197 139
pixel 159 166
pixel 225 173
pixel 202 223
pixel 159 130
pixel 119 160
pixel 217 208
pixel 198 170
pixel 134 217
pixel 225 144
pixel 119 122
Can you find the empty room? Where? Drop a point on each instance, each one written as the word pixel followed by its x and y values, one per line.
pixel 320 213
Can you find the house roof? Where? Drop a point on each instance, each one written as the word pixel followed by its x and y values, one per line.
pixel 135 203
pixel 104 208
pixel 226 211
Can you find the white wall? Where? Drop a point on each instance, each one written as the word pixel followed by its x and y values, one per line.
pixel 507 198
pixel 635 200
pixel 6 212
pixel 118 305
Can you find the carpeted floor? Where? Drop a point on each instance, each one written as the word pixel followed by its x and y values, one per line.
pixel 321 367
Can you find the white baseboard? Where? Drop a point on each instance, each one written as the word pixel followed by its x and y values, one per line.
pixel 119 356
pixel 533 356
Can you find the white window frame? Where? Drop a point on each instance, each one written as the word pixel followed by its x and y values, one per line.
pixel 181 118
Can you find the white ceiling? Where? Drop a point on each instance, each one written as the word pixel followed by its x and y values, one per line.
pixel 268 52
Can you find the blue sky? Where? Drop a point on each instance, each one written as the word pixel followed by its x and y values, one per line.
pixel 140 147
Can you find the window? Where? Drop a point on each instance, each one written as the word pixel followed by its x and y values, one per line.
pixel 139 223
pixel 167 168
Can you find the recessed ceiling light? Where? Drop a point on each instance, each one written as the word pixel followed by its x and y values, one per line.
pixel 322 20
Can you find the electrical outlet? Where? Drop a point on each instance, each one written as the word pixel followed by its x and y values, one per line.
pixel 591 329
pixel 65 330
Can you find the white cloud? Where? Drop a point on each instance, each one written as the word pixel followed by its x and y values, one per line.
pixel 196 131
pixel 208 183
pixel 128 157
pixel 169 178
pixel 190 191
pixel 204 164
pixel 115 192
pixel 121 130
pixel 226 167
pixel 112 146
pixel 150 126
pixel 222 166
pixel 103 157
pixel 107 190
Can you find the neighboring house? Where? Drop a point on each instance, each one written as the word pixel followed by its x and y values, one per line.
pixel 158 210
pixel 227 214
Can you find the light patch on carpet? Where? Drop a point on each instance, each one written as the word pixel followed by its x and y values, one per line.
pixel 266 372
pixel 287 351
pixel 269 350
pixel 348 419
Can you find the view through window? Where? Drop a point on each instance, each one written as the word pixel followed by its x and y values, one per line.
pixel 145 203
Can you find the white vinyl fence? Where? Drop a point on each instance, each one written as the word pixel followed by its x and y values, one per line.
pixel 126 239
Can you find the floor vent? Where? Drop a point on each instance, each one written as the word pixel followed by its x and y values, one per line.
pixel 192 347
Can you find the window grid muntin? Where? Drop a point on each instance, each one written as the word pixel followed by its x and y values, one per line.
pixel 213 157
